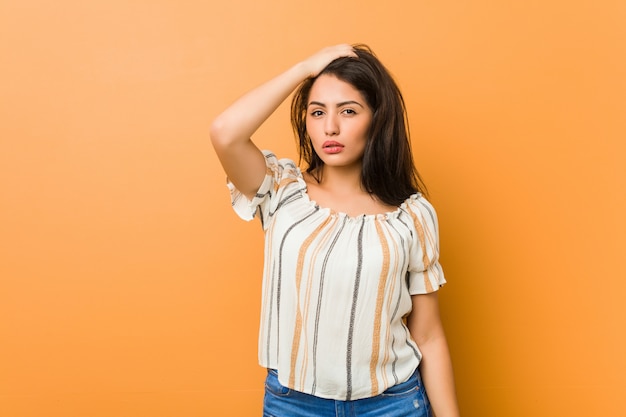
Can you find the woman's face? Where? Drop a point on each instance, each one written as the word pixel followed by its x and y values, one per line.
pixel 338 121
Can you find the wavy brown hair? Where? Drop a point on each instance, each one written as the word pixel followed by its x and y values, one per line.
pixel 388 171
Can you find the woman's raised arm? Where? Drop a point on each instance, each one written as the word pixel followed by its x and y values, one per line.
pixel 242 161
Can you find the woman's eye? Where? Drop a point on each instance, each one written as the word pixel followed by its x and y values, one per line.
pixel 316 113
pixel 349 111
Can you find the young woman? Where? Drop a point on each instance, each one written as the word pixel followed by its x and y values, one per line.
pixel 350 319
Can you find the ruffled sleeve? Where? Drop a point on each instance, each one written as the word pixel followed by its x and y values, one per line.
pixel 425 272
pixel 280 176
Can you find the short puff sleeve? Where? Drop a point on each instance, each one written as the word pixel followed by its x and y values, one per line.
pixel 425 272
pixel 280 176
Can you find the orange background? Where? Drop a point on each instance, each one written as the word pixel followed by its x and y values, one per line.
pixel 128 286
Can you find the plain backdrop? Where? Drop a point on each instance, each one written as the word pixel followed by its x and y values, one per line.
pixel 129 288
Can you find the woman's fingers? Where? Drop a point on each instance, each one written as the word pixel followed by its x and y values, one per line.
pixel 317 62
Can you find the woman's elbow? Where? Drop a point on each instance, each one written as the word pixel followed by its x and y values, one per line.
pixel 218 132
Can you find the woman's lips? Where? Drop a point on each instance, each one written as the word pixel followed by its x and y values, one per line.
pixel 331 147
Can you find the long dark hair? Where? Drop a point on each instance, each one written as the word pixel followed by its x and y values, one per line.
pixel 388 171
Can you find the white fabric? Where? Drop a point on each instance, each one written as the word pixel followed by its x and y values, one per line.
pixel 337 288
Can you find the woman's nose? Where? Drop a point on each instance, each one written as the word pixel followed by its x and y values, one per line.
pixel 331 127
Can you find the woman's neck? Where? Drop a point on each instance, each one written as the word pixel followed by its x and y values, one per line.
pixel 341 190
pixel 341 180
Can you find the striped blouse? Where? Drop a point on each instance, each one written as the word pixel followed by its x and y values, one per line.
pixel 336 289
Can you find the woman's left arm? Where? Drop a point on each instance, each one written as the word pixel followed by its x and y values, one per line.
pixel 426 329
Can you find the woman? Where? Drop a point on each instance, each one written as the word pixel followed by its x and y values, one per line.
pixel 350 305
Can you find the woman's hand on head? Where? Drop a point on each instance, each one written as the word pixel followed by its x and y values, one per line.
pixel 232 129
pixel 318 61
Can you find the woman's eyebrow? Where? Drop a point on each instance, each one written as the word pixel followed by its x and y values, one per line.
pixel 341 104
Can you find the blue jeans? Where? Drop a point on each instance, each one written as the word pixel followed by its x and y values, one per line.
pixel 406 399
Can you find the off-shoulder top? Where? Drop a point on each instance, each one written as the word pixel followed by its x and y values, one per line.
pixel 337 288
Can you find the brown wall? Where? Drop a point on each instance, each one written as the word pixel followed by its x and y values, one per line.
pixel 129 288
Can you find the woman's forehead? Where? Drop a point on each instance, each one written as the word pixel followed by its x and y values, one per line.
pixel 328 89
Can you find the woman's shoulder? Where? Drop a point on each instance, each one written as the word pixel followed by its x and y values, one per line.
pixel 420 209
pixel 418 202
pixel 417 199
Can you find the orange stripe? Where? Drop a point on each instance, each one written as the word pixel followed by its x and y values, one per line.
pixel 390 296
pixel 380 298
pixel 284 182
pixel 298 329
pixel 318 248
pixel 433 244
pixel 422 240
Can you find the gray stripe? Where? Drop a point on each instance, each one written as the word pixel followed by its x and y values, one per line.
pixel 355 295
pixel 269 319
pixel 260 211
pixel 407 277
pixel 395 360
pixel 319 302
pixel 429 208
pixel 418 355
pixel 261 196
pixel 401 220
pixel 279 283
pixel 297 194
pixel 404 264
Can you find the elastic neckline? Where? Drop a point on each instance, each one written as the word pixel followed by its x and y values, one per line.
pixel 374 216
